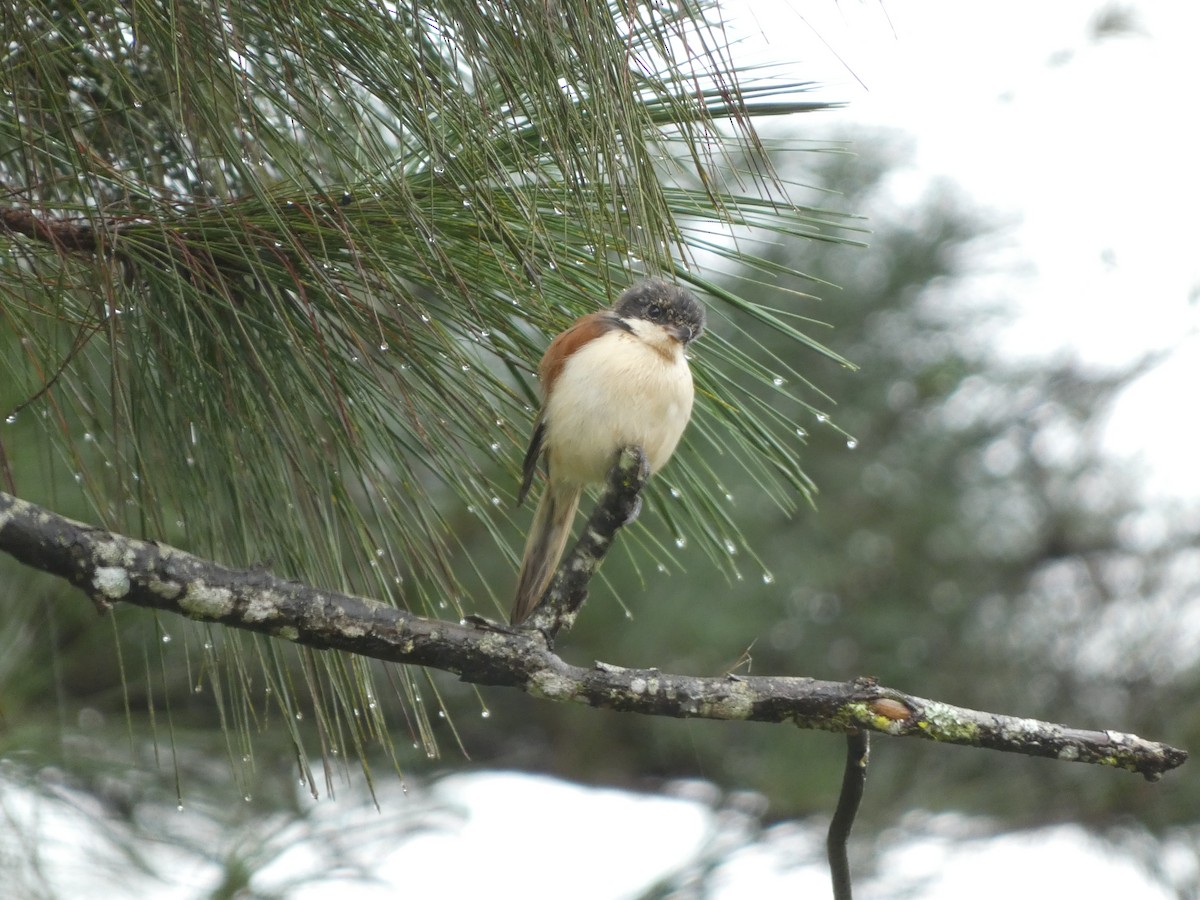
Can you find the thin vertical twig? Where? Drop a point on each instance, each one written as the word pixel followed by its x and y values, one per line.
pixel 854 780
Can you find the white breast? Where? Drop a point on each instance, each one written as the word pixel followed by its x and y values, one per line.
pixel 614 392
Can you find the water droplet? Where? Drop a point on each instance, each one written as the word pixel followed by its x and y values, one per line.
pixel 495 445
pixel 383 347
pixel 495 501
pixel 778 382
pixel 246 797
pixel 822 417
pixel 801 433
pixel 379 551
pixel 466 203
pixel 486 714
pixel 208 645
pixel 179 808
pixel 87 436
pixel 680 541
pixel 10 419
pixel 730 547
pixel 439 170
pixel 661 568
pixel 852 443
pixel 299 716
pixel 675 493
pixel 768 578
pixel 166 639
pixel 441 714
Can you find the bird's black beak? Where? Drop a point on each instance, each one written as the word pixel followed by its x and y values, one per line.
pixel 682 333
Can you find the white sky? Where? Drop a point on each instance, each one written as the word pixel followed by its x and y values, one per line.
pixel 1089 147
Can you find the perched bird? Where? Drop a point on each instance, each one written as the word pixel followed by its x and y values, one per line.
pixel 615 378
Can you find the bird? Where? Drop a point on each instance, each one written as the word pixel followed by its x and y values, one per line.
pixel 613 379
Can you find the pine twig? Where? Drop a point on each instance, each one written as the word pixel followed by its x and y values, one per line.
pixel 620 505
pixel 65 234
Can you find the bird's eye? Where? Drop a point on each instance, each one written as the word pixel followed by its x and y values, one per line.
pixel 654 310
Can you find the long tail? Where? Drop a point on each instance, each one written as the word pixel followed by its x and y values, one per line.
pixel 547 538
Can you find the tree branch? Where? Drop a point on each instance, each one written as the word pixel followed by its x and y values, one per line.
pixel 65 234
pixel 112 568
pixel 621 504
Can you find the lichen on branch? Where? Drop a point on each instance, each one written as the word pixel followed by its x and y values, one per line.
pixel 112 568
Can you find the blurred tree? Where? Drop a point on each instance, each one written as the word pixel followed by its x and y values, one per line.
pixel 972 543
